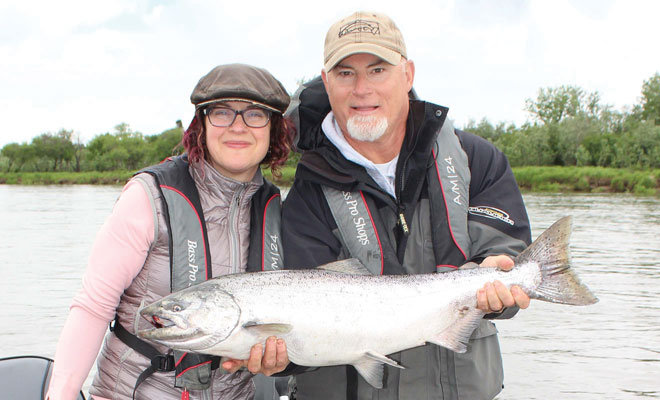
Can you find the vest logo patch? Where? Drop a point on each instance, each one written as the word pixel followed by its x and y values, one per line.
pixel 453 178
pixel 491 212
pixel 192 267
pixel 358 222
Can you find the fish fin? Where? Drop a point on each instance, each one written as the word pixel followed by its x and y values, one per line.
pixel 267 329
pixel 469 265
pixel 351 266
pixel 457 335
pixel 559 282
pixel 383 359
pixel 372 367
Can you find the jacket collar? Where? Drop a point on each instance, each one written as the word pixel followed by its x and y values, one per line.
pixel 221 189
pixel 323 163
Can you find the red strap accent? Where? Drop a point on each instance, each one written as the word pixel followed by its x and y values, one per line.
pixel 177 362
pixel 185 395
pixel 194 366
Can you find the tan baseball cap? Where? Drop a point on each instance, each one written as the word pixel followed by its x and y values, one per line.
pixel 363 32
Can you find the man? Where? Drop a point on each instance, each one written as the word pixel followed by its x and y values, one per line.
pixel 386 179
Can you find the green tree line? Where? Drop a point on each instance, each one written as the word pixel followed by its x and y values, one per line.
pixel 570 127
pixel 63 151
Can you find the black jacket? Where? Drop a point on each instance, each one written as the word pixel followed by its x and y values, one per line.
pixel 307 230
pixel 309 235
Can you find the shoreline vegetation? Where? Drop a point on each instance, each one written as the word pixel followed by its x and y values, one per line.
pixel 556 179
pixel 573 143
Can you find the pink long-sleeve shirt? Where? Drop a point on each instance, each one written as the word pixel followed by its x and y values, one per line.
pixel 118 254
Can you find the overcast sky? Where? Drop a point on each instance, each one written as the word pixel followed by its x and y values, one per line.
pixel 89 65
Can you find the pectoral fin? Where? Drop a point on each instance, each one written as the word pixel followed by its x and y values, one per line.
pixel 371 367
pixel 265 330
pixel 469 265
pixel 457 335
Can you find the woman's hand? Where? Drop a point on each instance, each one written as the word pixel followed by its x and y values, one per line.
pixel 268 362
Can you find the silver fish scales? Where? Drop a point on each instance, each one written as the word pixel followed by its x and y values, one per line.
pixel 340 314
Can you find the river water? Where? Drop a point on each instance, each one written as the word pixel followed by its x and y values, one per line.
pixel 610 350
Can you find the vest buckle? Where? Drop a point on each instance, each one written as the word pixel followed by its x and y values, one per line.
pixel 163 363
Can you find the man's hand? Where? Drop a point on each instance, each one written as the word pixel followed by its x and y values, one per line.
pixel 268 362
pixel 494 297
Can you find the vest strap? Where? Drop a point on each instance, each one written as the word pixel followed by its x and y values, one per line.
pixel 159 362
pixel 272 258
pixel 356 227
pixel 448 189
pixel 453 175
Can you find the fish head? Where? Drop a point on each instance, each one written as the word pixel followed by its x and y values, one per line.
pixel 192 319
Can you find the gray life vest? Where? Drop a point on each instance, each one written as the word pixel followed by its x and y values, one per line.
pixel 448 184
pixel 190 259
pixel 448 187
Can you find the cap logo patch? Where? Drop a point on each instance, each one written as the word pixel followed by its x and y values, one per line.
pixel 360 26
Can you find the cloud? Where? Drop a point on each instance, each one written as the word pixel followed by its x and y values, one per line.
pixel 89 66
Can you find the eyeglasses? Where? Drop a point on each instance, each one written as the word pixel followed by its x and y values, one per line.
pixel 224 116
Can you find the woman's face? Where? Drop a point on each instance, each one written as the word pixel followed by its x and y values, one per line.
pixel 236 150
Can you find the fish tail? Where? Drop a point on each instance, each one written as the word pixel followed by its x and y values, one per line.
pixel 559 282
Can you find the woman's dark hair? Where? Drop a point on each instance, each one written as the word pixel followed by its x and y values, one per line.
pixel 282 132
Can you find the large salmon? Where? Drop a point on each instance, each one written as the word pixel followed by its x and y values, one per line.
pixel 340 314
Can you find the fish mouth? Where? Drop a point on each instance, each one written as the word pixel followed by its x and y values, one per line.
pixel 169 330
pixel 161 322
pixel 167 333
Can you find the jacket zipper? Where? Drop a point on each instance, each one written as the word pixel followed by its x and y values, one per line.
pixel 233 223
pixel 401 208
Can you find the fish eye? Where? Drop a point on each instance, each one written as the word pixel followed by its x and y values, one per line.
pixel 176 308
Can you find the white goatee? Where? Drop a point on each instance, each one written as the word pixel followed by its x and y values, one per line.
pixel 366 128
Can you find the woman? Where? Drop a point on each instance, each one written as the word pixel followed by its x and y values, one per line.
pixel 156 227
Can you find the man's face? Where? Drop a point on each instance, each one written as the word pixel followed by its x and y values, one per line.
pixel 369 97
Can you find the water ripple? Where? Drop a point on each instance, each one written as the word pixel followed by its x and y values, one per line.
pixel 605 351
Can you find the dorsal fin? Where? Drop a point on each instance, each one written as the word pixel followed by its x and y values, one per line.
pixel 351 266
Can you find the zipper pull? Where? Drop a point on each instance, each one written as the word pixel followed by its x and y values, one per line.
pixel 403 224
pixel 240 192
pixel 185 395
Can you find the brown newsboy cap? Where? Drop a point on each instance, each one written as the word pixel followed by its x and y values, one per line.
pixel 243 83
